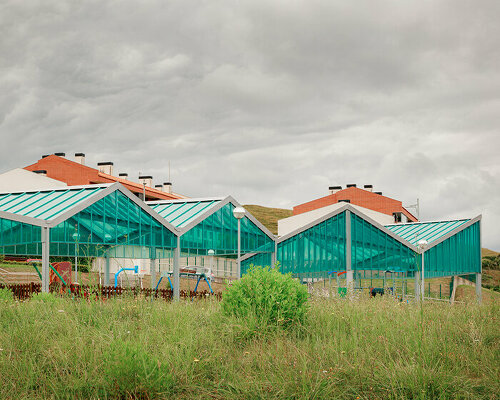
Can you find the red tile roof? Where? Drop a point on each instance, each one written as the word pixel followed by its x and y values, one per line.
pixel 73 173
pixel 359 197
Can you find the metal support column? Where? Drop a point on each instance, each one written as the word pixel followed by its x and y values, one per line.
pixel 106 270
pixel 274 255
pixel 348 258
pixel 479 294
pixel 417 285
pixel 423 277
pixel 152 271
pixel 177 278
pixel 239 249
pixel 45 259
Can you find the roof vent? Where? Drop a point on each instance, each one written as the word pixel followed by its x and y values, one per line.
pixel 167 187
pixel 60 154
pixel 146 180
pixel 334 189
pixel 380 193
pixel 41 172
pixel 80 158
pixel 368 187
pixel 45 155
pixel 106 167
pixel 350 185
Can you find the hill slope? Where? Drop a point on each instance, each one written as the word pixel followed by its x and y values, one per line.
pixel 487 252
pixel 269 216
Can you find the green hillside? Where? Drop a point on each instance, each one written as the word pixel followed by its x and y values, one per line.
pixel 269 216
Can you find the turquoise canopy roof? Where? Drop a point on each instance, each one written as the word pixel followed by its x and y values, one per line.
pixel 430 231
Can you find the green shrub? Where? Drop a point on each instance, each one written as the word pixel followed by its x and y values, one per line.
pixel 267 297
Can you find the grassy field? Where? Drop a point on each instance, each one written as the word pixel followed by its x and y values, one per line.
pixel 134 348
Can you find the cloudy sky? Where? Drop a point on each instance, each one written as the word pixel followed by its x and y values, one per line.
pixel 270 101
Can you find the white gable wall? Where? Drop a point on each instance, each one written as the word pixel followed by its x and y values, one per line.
pixel 287 225
pixel 21 180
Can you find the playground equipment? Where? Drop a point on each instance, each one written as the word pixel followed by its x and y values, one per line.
pixel 56 269
pixel 190 271
pixel 342 291
pixel 135 269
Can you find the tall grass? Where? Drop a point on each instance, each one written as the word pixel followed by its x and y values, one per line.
pixel 134 348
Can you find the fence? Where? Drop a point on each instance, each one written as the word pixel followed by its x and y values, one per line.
pixel 25 291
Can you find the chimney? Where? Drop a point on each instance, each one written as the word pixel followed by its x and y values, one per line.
pixel 167 187
pixel 105 167
pixel 380 193
pixel 350 185
pixel 60 154
pixel 334 189
pixel 80 158
pixel 368 187
pixel 123 175
pixel 159 187
pixel 41 172
pixel 146 179
pixel 45 155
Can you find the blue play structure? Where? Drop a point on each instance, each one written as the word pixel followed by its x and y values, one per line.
pixel 199 273
pixel 135 269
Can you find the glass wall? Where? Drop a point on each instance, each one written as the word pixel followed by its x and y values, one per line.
pixel 17 238
pixel 114 225
pixel 458 255
pixel 313 253
pixel 219 232
pixel 373 249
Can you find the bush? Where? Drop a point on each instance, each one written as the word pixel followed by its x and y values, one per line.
pixel 267 297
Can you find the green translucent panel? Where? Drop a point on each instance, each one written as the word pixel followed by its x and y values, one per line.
pixel 315 251
pixel 17 238
pixel 182 213
pixel 260 259
pixel 430 231
pixel 372 249
pixel 114 225
pixel 458 255
pixel 45 205
pixel 219 232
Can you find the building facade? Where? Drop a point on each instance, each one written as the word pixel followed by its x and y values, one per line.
pixel 360 197
pixel 58 167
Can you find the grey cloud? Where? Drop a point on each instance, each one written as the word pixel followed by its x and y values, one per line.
pixel 269 101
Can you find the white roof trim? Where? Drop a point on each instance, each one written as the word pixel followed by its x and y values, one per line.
pixel 186 200
pixel 22 218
